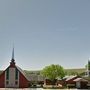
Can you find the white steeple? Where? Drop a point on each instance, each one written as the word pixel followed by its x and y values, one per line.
pixel 13 53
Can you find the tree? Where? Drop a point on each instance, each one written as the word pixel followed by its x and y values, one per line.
pixel 53 72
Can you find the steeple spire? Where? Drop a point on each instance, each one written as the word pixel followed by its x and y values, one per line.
pixel 13 53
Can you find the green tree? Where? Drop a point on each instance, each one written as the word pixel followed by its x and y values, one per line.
pixel 53 72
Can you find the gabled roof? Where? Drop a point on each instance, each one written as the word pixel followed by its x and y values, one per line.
pixel 80 79
pixel 22 71
pixel 70 77
pixel 19 69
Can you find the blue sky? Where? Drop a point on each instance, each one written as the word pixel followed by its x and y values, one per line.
pixel 45 32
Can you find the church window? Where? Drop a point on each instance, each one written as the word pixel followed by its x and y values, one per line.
pixel 16 82
pixel 7 74
pixel 7 82
pixel 16 76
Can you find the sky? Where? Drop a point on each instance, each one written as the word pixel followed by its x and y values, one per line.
pixel 45 32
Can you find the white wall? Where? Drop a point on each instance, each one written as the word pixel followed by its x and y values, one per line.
pixel 11 78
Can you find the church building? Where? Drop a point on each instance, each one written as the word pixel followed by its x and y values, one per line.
pixel 13 76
